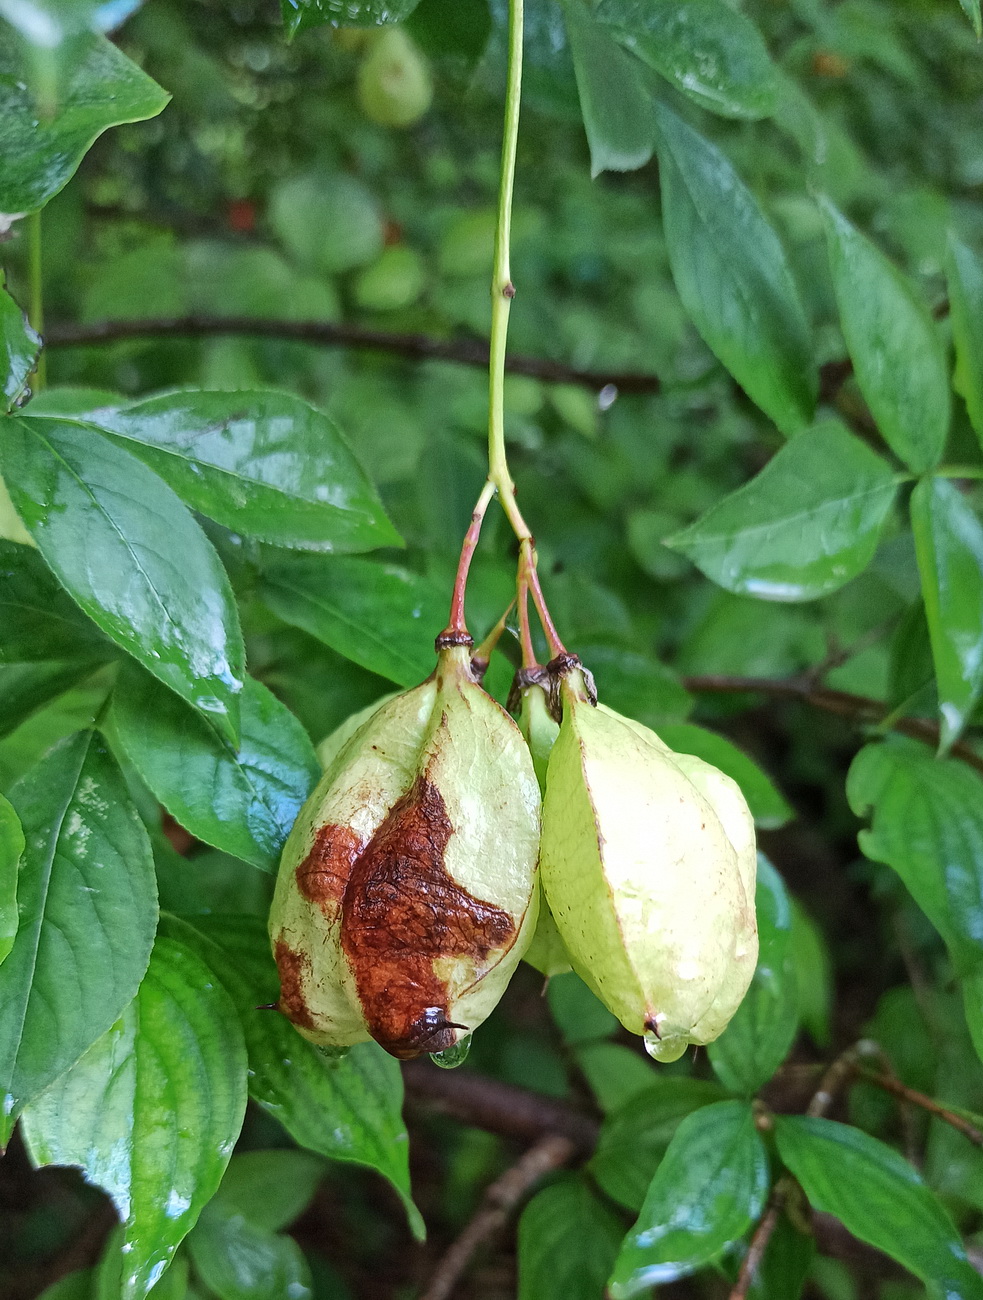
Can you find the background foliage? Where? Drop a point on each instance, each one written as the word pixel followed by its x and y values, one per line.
pixel 745 416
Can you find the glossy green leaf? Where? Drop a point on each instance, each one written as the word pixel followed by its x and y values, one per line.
pixel 733 276
pixel 262 463
pixel 614 101
pixel 56 718
pixel 104 89
pixel 88 910
pixel 380 616
pixel 949 547
pixel 11 848
pixel 347 1109
pixel 635 1137
pixel 807 524
pixel 241 800
pixel 893 343
pixel 38 620
pixel 239 1261
pixel 19 349
pixel 927 823
pixel 878 1197
pixel 125 548
pixel 300 14
pixel 568 1241
pixel 270 1189
pixel 152 1110
pixel 580 1015
pixel 964 273
pixel 706 49
pixel 768 808
pixel 758 1038
pixel 708 1189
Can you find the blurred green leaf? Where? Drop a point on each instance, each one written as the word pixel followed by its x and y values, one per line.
pixel 971 8
pixel 733 276
pixel 347 1109
pixel 964 274
pixel 878 1197
pixel 152 1110
pixel 88 910
pixel 270 1188
pixel 927 823
pixel 709 51
pixel 613 99
pixel 763 1028
pixel 380 616
pixel 300 14
pixel 38 620
pixel 949 546
pixel 804 526
pixel 459 28
pixel 710 1186
pixel 788 1257
pixel 893 344
pixel 25 688
pixel 262 463
pixel 19 349
pixel 635 1137
pixel 568 1241
pixel 11 848
pixel 768 808
pixel 580 1015
pixel 330 223
pixel 239 1261
pixel 75 1286
pixel 614 1072
pixel 112 532
pixel 241 800
pixel 40 153
pixel 813 976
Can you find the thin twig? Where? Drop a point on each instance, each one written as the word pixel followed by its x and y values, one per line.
pixel 858 708
pixel 759 1241
pixel 417 347
pixel 900 1090
pixel 500 1199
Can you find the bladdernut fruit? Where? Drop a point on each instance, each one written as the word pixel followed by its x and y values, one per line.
pixel 407 889
pixel 648 865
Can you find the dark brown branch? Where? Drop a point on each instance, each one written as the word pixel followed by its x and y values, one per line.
pixel 416 347
pixel 497 1107
pixel 897 1089
pixel 857 708
pixel 500 1199
pixel 759 1241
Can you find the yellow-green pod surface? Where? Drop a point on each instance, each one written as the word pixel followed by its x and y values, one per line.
pixel 651 887
pixel 406 890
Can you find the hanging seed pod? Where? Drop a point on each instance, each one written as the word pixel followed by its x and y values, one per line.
pixel 547 952
pixel 648 864
pixel 406 895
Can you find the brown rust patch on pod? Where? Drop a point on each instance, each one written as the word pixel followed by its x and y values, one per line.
pixel 294 967
pixel 323 875
pixel 401 913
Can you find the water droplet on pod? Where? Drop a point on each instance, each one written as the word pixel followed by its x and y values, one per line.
pixel 454 1056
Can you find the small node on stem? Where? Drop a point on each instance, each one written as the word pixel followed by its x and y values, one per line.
pixel 508 290
pixel 452 636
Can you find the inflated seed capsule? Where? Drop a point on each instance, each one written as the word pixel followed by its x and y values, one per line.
pixel 647 863
pixel 407 888
pixel 547 952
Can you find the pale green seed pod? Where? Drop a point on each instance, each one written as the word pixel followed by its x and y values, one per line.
pixel 647 863
pixel 547 952
pixel 406 893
